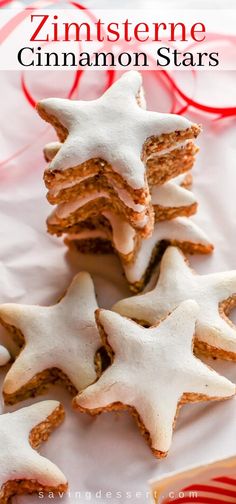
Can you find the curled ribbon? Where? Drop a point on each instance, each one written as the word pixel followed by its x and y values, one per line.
pixel 180 100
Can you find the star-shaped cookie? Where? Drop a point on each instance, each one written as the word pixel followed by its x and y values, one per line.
pixel 181 231
pixel 113 128
pixel 153 373
pixel 60 342
pixel 22 468
pixel 4 356
pixel 172 200
pixel 215 293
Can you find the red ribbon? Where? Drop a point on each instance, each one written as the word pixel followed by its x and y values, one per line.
pixel 179 98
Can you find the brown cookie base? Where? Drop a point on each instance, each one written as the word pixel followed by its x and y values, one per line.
pixel 58 225
pixel 38 434
pixel 39 384
pixel 94 246
pixel 160 169
pixel 163 213
pixel 201 348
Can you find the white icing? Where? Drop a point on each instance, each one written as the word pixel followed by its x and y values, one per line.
pixel 126 198
pixel 88 234
pixel 172 195
pixel 163 152
pixel 123 234
pixel 181 229
pixel 113 127
pixel 18 460
pixel 51 149
pixel 63 210
pixel 63 336
pixel 180 179
pixel 59 186
pixel 4 356
pixel 176 283
pixel 152 369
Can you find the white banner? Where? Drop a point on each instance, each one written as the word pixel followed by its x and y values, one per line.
pixel 69 39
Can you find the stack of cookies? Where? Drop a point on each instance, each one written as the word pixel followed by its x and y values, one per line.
pixel 119 177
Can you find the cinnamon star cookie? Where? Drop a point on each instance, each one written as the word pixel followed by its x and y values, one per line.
pixel 215 293
pixel 153 373
pixel 59 342
pixel 116 138
pixel 22 468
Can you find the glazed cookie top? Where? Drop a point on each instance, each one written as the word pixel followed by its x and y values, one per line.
pixel 4 356
pixel 181 229
pixel 18 460
pixel 178 282
pixel 152 369
pixel 172 195
pixel 123 234
pixel 113 127
pixel 63 336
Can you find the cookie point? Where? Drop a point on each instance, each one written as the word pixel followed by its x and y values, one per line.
pixel 133 78
pixel 83 275
pixel 5 309
pixel 8 388
pixel 101 314
pixel 74 402
pixel 53 403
